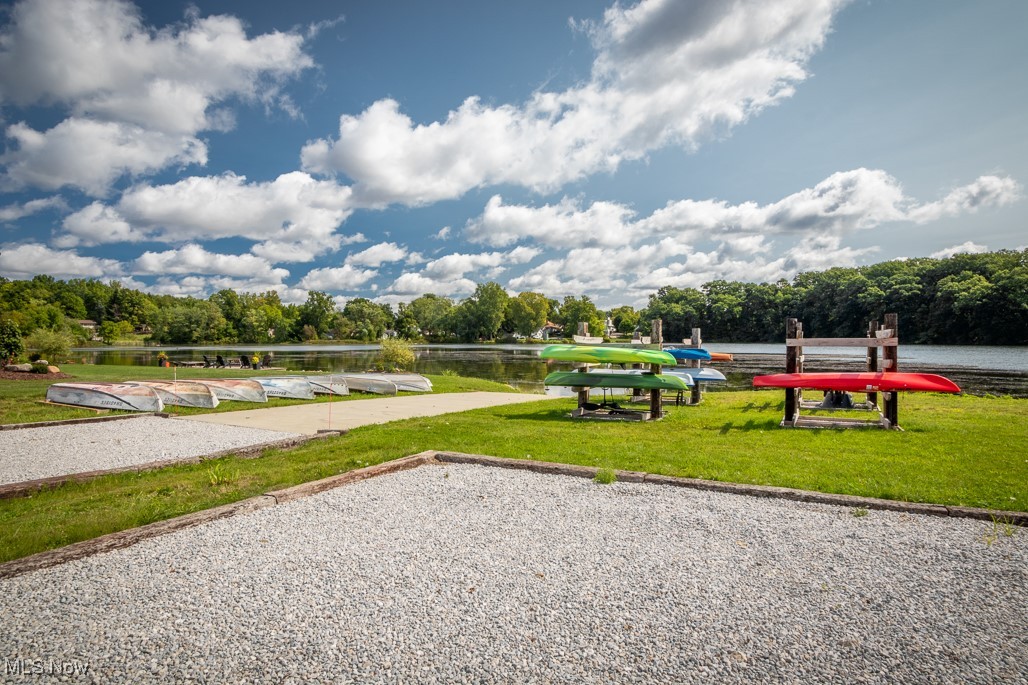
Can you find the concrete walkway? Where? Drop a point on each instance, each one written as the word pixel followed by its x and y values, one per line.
pixel 310 418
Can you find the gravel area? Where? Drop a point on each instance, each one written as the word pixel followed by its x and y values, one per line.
pixel 477 574
pixel 30 453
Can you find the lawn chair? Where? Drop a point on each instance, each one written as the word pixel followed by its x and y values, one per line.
pixel 207 363
pixel 220 362
pixel 244 361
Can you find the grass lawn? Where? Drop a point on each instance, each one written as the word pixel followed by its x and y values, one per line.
pixel 955 450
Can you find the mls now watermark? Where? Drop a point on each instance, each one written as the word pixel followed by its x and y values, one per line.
pixel 44 667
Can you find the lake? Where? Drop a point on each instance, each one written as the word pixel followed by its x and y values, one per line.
pixel 977 369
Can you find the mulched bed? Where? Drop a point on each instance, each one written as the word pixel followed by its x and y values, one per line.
pixel 29 376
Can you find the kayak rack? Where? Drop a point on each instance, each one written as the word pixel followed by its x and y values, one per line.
pixel 884 337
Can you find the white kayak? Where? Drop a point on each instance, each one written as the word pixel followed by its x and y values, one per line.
pixel 121 396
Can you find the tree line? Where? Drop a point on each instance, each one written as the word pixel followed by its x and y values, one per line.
pixel 964 299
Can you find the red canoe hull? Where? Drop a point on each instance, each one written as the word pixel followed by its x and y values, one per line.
pixel 859 382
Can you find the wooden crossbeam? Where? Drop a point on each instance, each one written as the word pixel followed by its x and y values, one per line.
pixel 842 342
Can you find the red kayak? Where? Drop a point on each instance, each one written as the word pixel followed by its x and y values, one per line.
pixel 858 382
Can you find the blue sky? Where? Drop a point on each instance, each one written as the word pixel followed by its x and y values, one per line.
pixel 390 149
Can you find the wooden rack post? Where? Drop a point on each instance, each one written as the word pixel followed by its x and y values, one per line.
pixel 872 360
pixel 890 357
pixel 793 364
pixel 696 341
pixel 656 336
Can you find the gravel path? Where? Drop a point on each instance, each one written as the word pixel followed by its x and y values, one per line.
pixel 476 574
pixel 30 453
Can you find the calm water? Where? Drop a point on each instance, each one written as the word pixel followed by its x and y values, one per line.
pixel 1001 370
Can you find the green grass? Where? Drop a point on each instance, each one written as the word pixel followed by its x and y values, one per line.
pixel 21 400
pixel 955 450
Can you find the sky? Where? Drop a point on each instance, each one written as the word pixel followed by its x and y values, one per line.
pixel 396 148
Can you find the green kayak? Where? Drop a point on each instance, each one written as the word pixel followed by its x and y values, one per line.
pixel 614 379
pixel 606 355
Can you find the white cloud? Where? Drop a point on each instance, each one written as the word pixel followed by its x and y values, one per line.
pixel 448 275
pixel 844 202
pixel 411 285
pixel 665 73
pixel 376 255
pixel 28 259
pixel 985 191
pixel 964 248
pixel 443 233
pixel 562 225
pixel 91 155
pixel 193 259
pixel 346 277
pixel 295 216
pixel 136 97
pixel 457 264
pixel 17 211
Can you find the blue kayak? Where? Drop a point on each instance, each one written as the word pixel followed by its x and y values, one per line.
pixel 688 353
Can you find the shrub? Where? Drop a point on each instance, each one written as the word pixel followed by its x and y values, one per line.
pixel 40 367
pixel 11 346
pixel 51 345
pixel 396 355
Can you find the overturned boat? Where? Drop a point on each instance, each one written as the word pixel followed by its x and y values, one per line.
pixel 406 382
pixel 328 385
pixel 122 396
pixel 182 393
pixel 368 382
pixel 235 389
pixel 287 387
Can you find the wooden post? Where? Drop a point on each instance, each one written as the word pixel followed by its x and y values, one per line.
pixel 793 329
pixel 872 360
pixel 657 338
pixel 696 341
pixel 890 355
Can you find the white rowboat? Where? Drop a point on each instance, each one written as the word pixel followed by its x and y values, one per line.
pixel 236 389
pixel 287 387
pixel 182 393
pixel 121 396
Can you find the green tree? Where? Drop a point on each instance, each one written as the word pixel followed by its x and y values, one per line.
pixel 11 345
pixel 406 325
pixel 317 312
pixel 111 332
pixel 680 309
pixel 396 355
pixel 430 312
pixel 576 310
pixel 51 345
pixel 364 320
pixel 625 319
pixel 480 316
pixel 526 313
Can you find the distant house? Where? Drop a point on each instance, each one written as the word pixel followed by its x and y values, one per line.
pixel 91 326
pixel 547 331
